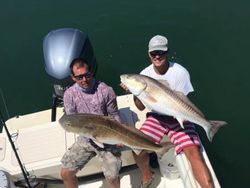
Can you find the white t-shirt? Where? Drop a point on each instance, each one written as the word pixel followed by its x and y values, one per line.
pixel 177 77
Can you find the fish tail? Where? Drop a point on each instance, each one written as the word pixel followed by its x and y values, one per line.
pixel 215 126
pixel 165 147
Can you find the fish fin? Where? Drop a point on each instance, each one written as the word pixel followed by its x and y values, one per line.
pixel 180 122
pixel 98 143
pixel 152 99
pixel 216 125
pixel 165 147
pixel 164 82
pixel 188 102
pixel 137 151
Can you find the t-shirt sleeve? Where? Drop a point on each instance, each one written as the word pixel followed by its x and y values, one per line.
pixel 183 83
pixel 144 72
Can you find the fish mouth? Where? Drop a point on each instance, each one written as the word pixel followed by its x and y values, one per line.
pixel 122 77
pixel 133 82
pixel 65 123
pixel 125 78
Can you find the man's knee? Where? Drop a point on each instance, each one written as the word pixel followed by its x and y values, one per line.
pixel 67 174
pixel 112 180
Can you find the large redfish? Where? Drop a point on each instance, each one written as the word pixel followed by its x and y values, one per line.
pixel 159 97
pixel 103 129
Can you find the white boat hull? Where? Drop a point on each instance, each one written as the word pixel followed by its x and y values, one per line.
pixel 42 143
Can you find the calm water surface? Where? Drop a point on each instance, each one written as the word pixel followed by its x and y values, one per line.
pixel 210 38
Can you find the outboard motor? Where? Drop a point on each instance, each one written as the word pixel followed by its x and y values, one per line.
pixel 60 47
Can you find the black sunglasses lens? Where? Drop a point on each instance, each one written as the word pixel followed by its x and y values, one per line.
pixel 159 53
pixel 86 75
pixel 79 77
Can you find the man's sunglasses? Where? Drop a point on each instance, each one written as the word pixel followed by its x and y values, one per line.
pixel 157 53
pixel 86 75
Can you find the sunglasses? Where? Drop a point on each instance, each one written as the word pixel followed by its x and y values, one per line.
pixel 157 53
pixel 86 75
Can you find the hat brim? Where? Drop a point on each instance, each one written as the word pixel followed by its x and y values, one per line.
pixel 158 49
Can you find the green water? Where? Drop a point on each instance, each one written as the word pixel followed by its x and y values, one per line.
pixel 210 38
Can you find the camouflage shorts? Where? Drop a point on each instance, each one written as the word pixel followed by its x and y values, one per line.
pixel 82 151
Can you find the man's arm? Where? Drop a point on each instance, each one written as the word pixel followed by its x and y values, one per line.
pixel 69 105
pixel 138 104
pixel 112 108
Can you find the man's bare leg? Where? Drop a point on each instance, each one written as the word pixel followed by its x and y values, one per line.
pixel 199 167
pixel 69 178
pixel 113 182
pixel 142 161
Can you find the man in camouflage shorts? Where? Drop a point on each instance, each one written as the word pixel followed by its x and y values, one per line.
pixel 88 95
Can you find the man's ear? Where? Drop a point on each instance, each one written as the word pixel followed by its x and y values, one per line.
pixel 73 78
pixel 149 55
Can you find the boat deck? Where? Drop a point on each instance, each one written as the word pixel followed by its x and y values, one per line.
pixel 41 144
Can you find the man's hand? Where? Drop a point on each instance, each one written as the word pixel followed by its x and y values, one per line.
pixel 120 145
pixel 138 103
pixel 124 87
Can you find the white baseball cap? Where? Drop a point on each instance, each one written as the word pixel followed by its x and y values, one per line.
pixel 158 42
